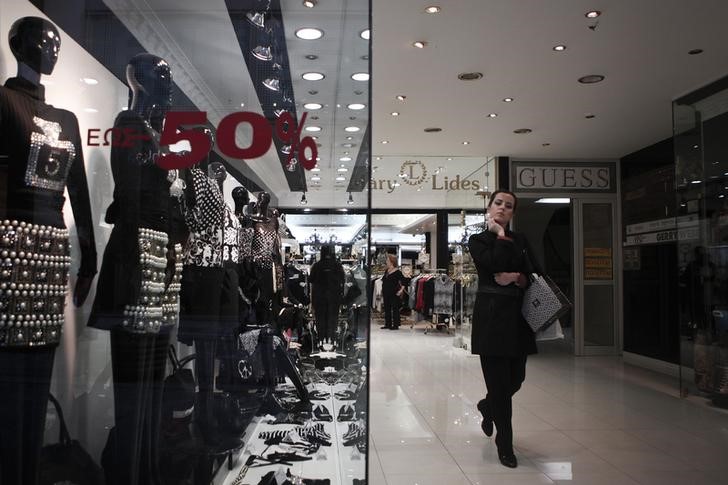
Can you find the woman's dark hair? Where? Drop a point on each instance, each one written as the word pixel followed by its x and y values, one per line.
pixel 502 191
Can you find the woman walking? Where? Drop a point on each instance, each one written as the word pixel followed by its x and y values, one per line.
pixel 393 283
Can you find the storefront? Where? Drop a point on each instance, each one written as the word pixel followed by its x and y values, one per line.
pixel 189 330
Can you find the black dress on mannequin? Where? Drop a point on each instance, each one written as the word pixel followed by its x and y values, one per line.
pixel 137 298
pixel 40 156
pixel 246 268
pixel 266 252
pixel 327 290
pixel 209 300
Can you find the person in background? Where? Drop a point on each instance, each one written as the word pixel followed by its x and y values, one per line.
pixel 500 334
pixel 393 287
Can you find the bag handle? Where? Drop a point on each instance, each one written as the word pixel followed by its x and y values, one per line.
pixel 534 266
pixel 64 437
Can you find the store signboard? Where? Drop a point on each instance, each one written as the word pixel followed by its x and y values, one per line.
pixel 430 182
pixel 592 177
pixel 684 228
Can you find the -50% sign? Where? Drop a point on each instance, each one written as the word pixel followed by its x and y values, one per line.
pixel 286 131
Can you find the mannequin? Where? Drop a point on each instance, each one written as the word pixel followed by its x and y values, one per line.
pixel 327 289
pixel 40 156
pixel 209 300
pixel 137 298
pixel 266 250
pixel 246 268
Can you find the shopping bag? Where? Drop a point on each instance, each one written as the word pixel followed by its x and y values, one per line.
pixel 543 303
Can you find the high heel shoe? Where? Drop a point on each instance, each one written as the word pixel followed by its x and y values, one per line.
pixel 508 460
pixel 487 424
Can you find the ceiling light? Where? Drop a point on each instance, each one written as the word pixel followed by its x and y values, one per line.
pixel 395 113
pixel 507 100
pixel 470 76
pixel 311 57
pixel 242 105
pixel 432 9
pixel 420 44
pixel 591 79
pixel 350 200
pixel 349 137
pixel 352 129
pixel 286 149
pixel 256 18
pixel 313 128
pixel 91 110
pixel 303 199
pixel 313 76
pixel 274 84
pixel 401 97
pixel 696 181
pixel 348 145
pixel 312 106
pixel 522 131
pixel 365 34
pixel 310 3
pixel 340 178
pixel 89 80
pixel 449 158
pixel 695 51
pixel 592 14
pixel 360 76
pixel 492 115
pixel 356 106
pixel 345 159
pixel 379 158
pixel 553 200
pixel 466 143
pixel 316 169
pixel 307 209
pixel 315 178
pixel 309 33
pixel 559 48
pixel 342 169
pixel 384 142
pixel 262 52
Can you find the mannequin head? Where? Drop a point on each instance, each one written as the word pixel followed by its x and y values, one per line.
pixel 263 201
pixel 217 172
pixel 35 42
pixel 150 82
pixel 241 198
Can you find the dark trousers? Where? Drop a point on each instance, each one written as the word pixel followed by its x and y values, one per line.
pixel 25 379
pixel 326 310
pixel 503 378
pixel 138 364
pixel 392 304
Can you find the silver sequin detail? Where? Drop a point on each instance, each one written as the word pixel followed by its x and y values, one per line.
pixel 49 159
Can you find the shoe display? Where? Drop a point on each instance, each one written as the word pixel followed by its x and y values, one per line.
pixel 321 413
pixel 487 424
pixel 346 413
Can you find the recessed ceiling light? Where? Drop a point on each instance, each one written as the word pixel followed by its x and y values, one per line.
pixel 91 110
pixel 522 131
pixel 309 33
pixel 379 158
pixel 384 142
pixel 449 159
pixel 313 128
pixel 348 145
pixel 470 76
pixel 310 3
pixel 313 76
pixel 466 143
pixel 695 52
pixel 591 79
pixel 365 34
pixel 340 178
pixel 356 106
pixel 316 169
pixel 89 80
pixel 242 105
pixel 559 48
pixel 420 44
pixel 311 57
pixel 592 14
pixel 349 137
pixel 492 115
pixel 507 100
pixel 395 113
pixel 313 106
pixel 401 97
pixel 352 129
pixel 315 178
pixel 364 57
pixel 315 137
pixel 345 159
pixel 360 76
pixel 342 169
pixel 432 9
pixel 433 130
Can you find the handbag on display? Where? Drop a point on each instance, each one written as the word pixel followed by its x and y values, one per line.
pixel 67 461
pixel 178 395
pixel 543 301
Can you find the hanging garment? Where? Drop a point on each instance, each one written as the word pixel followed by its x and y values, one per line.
pixel 442 295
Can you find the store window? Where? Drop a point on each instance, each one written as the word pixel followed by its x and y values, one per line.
pixel 700 121
pixel 175 292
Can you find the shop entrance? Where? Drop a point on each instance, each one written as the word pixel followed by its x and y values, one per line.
pixel 574 239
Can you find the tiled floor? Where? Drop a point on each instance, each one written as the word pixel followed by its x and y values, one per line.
pixel 588 420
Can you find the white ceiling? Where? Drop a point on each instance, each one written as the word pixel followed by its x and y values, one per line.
pixel 640 46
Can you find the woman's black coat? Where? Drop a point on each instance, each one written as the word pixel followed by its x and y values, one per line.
pixel 498 325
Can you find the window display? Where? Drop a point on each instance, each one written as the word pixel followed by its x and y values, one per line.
pixel 206 350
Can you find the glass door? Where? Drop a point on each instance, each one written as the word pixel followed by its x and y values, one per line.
pixel 596 296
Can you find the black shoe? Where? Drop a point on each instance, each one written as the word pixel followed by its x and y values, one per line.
pixel 321 413
pixel 384 327
pixel 508 460
pixel 346 413
pixel 487 423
